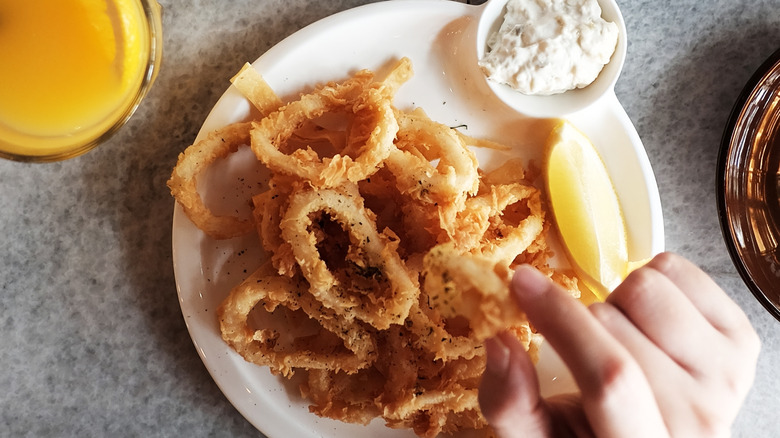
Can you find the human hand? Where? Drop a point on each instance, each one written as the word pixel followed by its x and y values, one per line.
pixel 667 355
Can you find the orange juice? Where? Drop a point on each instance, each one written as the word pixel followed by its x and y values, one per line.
pixel 72 71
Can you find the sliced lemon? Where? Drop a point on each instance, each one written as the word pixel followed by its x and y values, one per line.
pixel 586 209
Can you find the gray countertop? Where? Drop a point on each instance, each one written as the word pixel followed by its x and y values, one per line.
pixel 93 341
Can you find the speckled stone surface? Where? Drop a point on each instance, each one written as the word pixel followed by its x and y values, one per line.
pixel 93 342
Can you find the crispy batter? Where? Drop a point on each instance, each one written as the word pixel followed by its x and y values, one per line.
pixel 269 206
pixel 373 258
pixel 312 347
pixel 390 253
pixel 191 164
pixel 421 141
pixel 473 287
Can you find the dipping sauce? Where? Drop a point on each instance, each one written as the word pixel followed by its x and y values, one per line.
pixel 548 47
pixel 71 69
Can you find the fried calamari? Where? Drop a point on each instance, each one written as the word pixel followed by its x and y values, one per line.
pixel 390 251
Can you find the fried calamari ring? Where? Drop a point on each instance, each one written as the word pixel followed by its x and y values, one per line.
pixel 349 398
pixel 372 254
pixel 191 164
pixel 420 142
pixel 470 226
pixel 516 239
pixel 269 135
pixel 269 208
pixel 473 287
pixel 365 108
pixel 430 412
pixel 416 223
pixel 426 394
pixel 351 347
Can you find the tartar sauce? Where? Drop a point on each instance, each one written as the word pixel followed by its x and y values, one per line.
pixel 550 46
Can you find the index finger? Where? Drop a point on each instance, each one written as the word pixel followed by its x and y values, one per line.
pixel 616 395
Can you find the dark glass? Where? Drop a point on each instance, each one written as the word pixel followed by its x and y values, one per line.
pixel 749 184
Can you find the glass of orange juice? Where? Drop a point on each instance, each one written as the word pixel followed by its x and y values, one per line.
pixel 73 72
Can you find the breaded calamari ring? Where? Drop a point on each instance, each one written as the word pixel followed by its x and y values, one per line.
pixel 192 162
pixel 423 392
pixel 267 290
pixel 270 134
pixel 513 240
pixel 349 398
pixel 378 258
pixel 269 207
pixel 429 412
pixel 470 225
pixel 471 286
pixel 365 108
pixel 421 141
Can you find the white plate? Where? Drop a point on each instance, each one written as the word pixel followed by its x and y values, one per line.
pixel 438 36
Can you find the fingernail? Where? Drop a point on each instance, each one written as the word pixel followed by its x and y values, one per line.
pixel 497 357
pixel 529 282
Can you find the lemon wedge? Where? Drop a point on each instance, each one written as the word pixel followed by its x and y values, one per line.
pixel 586 209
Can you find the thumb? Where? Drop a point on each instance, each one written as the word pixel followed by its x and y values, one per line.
pixel 509 392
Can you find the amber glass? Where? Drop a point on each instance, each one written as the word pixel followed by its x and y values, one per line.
pixel 749 184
